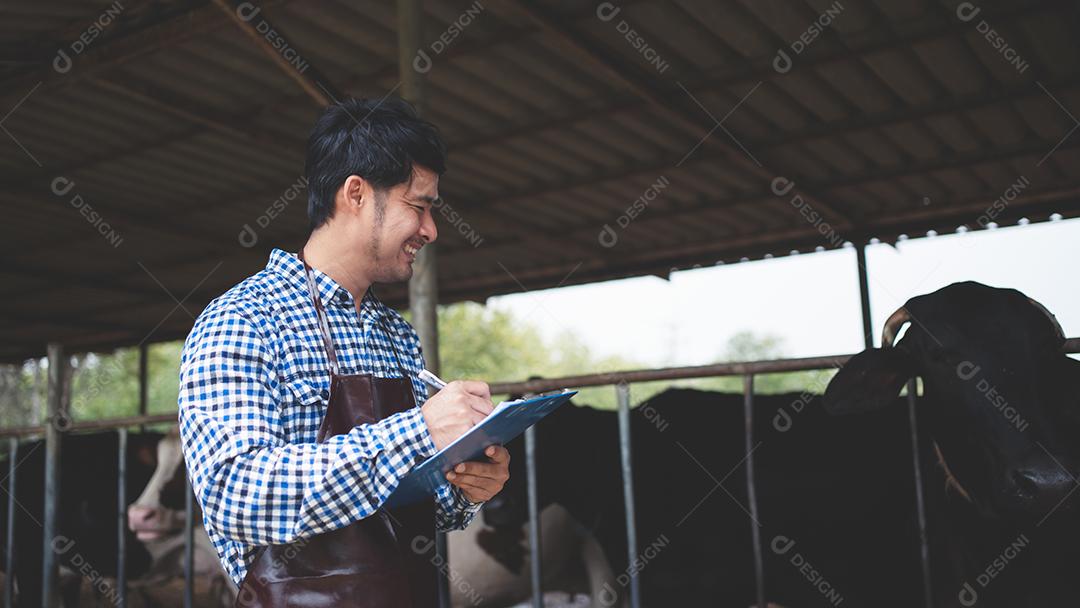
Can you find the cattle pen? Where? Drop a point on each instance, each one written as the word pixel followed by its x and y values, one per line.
pixel 621 380
pixel 152 156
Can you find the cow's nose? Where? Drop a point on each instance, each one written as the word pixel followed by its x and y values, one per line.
pixel 1041 489
pixel 1025 484
pixel 141 514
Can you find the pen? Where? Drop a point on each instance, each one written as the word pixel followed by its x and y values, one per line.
pixel 431 380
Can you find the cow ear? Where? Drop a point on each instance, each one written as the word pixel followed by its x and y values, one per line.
pixel 869 381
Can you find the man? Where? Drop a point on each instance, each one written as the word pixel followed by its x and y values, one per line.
pixel 297 387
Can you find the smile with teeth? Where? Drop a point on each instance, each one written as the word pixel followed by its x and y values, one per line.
pixel 411 250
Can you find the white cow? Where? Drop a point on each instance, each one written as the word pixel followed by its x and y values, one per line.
pixel 160 529
pixel 571 561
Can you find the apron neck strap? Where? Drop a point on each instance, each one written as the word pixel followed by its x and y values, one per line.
pixel 324 323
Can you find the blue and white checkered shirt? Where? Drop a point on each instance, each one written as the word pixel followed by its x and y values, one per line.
pixel 254 385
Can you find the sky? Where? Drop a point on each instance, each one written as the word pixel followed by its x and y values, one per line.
pixel 811 301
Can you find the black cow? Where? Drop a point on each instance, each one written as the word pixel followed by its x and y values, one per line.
pixel 1002 411
pixel 87 528
pixel 824 487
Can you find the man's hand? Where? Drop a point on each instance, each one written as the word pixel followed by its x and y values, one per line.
pixel 480 481
pixel 455 409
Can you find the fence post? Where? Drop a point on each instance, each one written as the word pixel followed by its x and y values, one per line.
pixel 864 295
pixel 121 517
pixel 56 422
pixel 144 367
pixel 751 489
pixel 9 578
pixel 535 549
pixel 622 394
pixel 920 501
pixel 189 544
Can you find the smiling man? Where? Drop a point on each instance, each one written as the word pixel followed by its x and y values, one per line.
pixel 299 388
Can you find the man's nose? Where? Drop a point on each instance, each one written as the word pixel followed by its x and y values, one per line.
pixel 428 230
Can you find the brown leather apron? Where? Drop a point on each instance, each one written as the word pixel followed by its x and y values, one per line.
pixel 386 560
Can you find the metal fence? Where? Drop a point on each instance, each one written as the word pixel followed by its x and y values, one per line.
pixel 621 382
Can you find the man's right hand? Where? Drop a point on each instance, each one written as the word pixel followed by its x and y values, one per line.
pixel 455 409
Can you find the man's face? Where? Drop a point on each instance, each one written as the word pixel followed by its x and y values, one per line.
pixel 400 223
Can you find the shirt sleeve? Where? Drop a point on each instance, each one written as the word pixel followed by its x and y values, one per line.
pixel 253 486
pixel 453 510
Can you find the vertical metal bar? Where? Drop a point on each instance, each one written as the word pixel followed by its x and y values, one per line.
pixel 144 366
pixel 751 488
pixel 864 296
pixel 9 550
pixel 535 550
pixel 622 395
pixel 121 517
pixel 189 546
pixel 56 421
pixel 920 500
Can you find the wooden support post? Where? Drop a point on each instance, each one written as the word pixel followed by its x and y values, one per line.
pixel 144 364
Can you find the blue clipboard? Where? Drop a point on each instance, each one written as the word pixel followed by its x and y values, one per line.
pixel 507 421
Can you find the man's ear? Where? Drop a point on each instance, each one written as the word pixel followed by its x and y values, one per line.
pixel 869 381
pixel 351 193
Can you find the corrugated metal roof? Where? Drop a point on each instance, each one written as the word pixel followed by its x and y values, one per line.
pixel 729 130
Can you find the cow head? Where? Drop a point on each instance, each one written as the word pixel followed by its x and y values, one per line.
pixel 1003 400
pixel 159 510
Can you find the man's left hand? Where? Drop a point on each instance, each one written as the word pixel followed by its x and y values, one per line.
pixel 480 481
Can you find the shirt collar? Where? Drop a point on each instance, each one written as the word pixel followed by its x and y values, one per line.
pixel 330 292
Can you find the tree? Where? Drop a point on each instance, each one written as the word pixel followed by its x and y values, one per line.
pixel 747 346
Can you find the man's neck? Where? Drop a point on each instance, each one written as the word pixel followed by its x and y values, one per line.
pixel 331 257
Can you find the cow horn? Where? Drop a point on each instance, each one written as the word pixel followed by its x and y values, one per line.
pixel 892 326
pixel 1049 315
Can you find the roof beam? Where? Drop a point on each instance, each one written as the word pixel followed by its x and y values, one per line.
pixel 316 85
pixel 102 57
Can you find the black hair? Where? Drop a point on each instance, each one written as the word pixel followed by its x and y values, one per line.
pixel 378 140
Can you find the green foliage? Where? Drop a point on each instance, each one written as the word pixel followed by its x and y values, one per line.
pixel 486 344
pixel 747 346
pixel 22 393
pixel 106 385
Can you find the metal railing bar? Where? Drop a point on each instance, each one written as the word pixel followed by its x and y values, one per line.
pixel 189 546
pixel 535 550
pixel 920 499
pixel 622 395
pixel 121 517
pixel 751 489
pixel 9 550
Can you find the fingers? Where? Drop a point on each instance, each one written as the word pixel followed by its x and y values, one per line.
pixel 475 417
pixel 481 405
pixel 480 481
pixel 475 387
pixel 498 454
pixel 482 469
pixel 476 489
